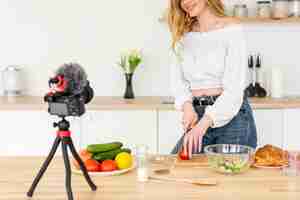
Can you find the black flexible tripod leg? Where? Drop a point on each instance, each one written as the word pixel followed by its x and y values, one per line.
pixel 68 169
pixel 81 164
pixel 44 166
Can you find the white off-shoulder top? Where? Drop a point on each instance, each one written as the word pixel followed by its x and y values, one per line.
pixel 214 59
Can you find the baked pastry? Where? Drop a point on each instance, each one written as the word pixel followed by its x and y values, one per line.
pixel 272 156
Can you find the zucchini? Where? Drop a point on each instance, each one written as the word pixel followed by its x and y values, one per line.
pixel 99 148
pixel 109 155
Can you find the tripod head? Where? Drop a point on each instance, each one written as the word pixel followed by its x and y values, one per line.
pixel 63 124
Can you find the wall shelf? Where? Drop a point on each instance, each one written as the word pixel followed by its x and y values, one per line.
pixel 270 21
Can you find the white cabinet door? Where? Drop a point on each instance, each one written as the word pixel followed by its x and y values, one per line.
pixel 269 124
pixel 291 129
pixel 28 133
pixel 169 129
pixel 130 127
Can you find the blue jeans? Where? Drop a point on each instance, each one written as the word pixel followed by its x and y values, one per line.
pixel 240 130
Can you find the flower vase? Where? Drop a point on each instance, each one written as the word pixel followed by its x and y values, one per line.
pixel 129 90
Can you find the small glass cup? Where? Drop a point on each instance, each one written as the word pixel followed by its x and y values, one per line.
pixel 142 163
pixel 293 168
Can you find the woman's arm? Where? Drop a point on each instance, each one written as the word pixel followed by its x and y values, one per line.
pixel 180 87
pixel 181 90
pixel 229 102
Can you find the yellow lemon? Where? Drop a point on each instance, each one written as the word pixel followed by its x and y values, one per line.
pixel 124 160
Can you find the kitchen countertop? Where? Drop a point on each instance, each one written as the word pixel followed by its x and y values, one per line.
pixel 17 174
pixel 139 103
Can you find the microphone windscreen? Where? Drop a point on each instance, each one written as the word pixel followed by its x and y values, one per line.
pixel 75 75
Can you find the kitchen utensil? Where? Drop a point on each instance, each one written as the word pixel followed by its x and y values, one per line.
pixel 268 167
pixel 181 147
pixel 229 158
pixel 250 90
pixel 197 161
pixel 202 182
pixel 102 174
pixel 12 82
pixel 163 162
pixel 260 91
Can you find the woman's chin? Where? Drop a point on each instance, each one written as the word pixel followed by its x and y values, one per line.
pixel 193 14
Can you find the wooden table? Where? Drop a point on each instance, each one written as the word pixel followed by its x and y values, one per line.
pixel 16 176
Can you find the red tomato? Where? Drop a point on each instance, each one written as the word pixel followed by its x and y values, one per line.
pixel 84 155
pixel 183 156
pixel 92 165
pixel 108 165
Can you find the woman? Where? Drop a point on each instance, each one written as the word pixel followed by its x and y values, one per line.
pixel 208 76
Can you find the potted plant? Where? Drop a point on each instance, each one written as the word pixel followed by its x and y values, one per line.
pixel 129 62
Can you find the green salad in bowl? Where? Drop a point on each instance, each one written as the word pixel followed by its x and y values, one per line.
pixel 229 158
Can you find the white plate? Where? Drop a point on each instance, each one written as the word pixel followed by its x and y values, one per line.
pixel 269 167
pixel 112 173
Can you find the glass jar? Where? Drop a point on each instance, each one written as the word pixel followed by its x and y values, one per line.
pixel 294 8
pixel 263 9
pixel 280 9
pixel 240 10
pixel 293 168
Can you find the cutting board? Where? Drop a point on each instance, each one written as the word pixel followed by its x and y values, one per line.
pixel 198 160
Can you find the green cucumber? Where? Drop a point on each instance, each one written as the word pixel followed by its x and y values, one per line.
pixel 109 155
pixel 99 148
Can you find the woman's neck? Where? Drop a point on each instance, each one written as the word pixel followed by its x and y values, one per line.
pixel 206 21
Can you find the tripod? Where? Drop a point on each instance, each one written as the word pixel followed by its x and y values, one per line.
pixel 64 136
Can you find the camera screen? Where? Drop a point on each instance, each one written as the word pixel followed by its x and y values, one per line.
pixel 58 109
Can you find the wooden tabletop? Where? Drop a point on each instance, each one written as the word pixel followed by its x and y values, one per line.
pixel 16 176
pixel 139 103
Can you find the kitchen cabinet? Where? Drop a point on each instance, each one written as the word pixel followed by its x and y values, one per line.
pixel 169 129
pixel 291 129
pixel 269 124
pixel 30 132
pixel 131 127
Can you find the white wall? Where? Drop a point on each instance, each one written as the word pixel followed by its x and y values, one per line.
pixel 41 35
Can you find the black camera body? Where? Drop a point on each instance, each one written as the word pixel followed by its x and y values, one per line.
pixel 70 92
pixel 65 105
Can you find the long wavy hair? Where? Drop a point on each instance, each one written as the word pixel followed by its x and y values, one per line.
pixel 180 22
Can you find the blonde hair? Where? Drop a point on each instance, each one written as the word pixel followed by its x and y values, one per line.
pixel 180 22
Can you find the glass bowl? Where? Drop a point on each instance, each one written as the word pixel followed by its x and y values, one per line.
pixel 229 158
pixel 162 163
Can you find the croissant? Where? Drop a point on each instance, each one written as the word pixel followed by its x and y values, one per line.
pixel 270 155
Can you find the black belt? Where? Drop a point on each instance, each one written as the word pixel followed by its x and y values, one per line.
pixel 204 100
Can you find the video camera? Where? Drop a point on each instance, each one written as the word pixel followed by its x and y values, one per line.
pixel 69 91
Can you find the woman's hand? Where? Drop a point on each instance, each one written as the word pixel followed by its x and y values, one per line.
pixel 189 117
pixel 193 139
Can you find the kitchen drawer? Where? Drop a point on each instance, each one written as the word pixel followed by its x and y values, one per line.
pixel 269 124
pixel 30 133
pixel 291 129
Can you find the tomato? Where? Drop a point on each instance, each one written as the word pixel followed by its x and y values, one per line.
pixel 183 156
pixel 84 155
pixel 92 165
pixel 108 165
